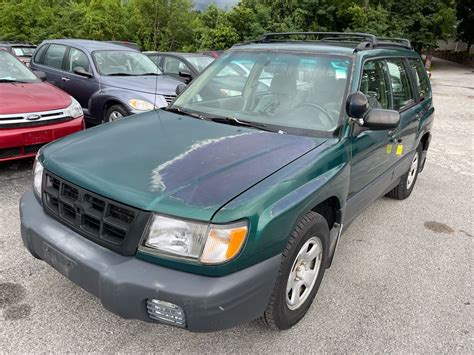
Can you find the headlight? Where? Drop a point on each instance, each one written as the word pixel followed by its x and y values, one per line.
pixel 37 176
pixel 210 244
pixel 74 109
pixel 141 105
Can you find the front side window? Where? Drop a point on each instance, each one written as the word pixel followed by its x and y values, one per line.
pixel 77 59
pixel 401 89
pixel 293 92
pixel 12 70
pixel 124 63
pixel 422 80
pixel 156 59
pixel 172 65
pixel 374 84
pixel 54 56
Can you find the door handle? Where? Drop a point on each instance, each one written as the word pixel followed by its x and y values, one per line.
pixel 65 79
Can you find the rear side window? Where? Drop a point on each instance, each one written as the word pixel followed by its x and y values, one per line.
pixel 77 59
pixel 400 83
pixel 39 55
pixel 54 56
pixel 422 80
pixel 374 84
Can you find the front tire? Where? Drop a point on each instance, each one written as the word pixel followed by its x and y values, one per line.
pixel 301 271
pixel 115 113
pixel 407 181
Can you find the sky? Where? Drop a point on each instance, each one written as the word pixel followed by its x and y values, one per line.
pixel 202 4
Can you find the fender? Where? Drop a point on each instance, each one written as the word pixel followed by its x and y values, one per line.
pixel 275 205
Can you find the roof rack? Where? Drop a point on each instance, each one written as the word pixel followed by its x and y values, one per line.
pixel 364 40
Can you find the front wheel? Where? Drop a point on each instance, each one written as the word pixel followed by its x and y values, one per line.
pixel 115 112
pixel 301 272
pixel 407 181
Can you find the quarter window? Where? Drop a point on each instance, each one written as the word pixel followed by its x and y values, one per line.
pixel 401 89
pixel 39 55
pixel 77 59
pixel 54 56
pixel 374 84
pixel 422 81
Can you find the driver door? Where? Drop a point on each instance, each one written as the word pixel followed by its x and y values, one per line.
pixel 371 150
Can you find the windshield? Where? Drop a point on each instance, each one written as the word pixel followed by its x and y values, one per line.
pixel 12 70
pixel 297 91
pixel 124 63
pixel 23 51
pixel 199 62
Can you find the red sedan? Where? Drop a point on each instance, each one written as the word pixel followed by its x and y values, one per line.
pixel 32 113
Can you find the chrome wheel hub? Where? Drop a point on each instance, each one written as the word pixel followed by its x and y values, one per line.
pixel 115 115
pixel 304 273
pixel 412 172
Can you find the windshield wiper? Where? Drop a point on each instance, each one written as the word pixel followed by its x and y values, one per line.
pixel 237 122
pixel 181 111
pixel 121 74
pixel 148 74
pixel 11 81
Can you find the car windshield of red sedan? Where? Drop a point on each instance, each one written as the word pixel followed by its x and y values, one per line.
pixel 124 63
pixel 12 70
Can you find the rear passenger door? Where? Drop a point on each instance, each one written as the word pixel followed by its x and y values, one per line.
pixel 404 101
pixel 52 64
pixel 79 86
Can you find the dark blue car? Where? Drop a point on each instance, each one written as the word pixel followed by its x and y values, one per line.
pixel 110 81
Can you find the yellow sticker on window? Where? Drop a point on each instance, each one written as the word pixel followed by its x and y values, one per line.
pixel 389 148
pixel 399 149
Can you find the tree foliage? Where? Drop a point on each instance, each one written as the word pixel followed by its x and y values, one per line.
pixel 176 25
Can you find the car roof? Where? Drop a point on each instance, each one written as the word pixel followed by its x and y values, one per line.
pixel 90 45
pixel 178 54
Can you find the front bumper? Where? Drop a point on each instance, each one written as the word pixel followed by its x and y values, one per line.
pixel 24 142
pixel 123 284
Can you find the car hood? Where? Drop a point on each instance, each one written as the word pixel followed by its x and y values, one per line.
pixel 31 97
pixel 151 84
pixel 159 161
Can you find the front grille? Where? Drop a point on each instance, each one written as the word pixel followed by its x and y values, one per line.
pixel 104 221
pixel 169 98
pixel 10 152
pixel 21 124
pixel 30 149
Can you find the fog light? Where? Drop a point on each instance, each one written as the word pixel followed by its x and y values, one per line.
pixel 166 312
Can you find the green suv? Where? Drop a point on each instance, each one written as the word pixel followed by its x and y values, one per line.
pixel 229 204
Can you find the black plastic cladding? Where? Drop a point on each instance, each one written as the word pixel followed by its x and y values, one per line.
pixel 106 222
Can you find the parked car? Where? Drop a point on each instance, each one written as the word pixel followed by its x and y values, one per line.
pixel 110 81
pixel 22 50
pixel 32 113
pixel 183 66
pixel 217 211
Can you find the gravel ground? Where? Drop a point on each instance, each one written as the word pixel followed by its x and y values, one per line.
pixel 401 281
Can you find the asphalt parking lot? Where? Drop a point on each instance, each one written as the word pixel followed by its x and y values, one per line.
pixel 402 279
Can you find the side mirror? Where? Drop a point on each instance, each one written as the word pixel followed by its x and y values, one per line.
pixel 379 119
pixel 40 75
pixel 180 88
pixel 357 105
pixel 83 72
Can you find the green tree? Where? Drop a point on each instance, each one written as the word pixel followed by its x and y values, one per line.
pixel 465 15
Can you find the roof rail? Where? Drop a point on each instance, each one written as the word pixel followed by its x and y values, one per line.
pixel 364 40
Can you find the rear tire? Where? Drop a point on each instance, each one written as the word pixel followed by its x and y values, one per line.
pixel 115 113
pixel 301 271
pixel 407 181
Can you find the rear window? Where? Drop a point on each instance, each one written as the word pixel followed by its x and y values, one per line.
pixel 54 56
